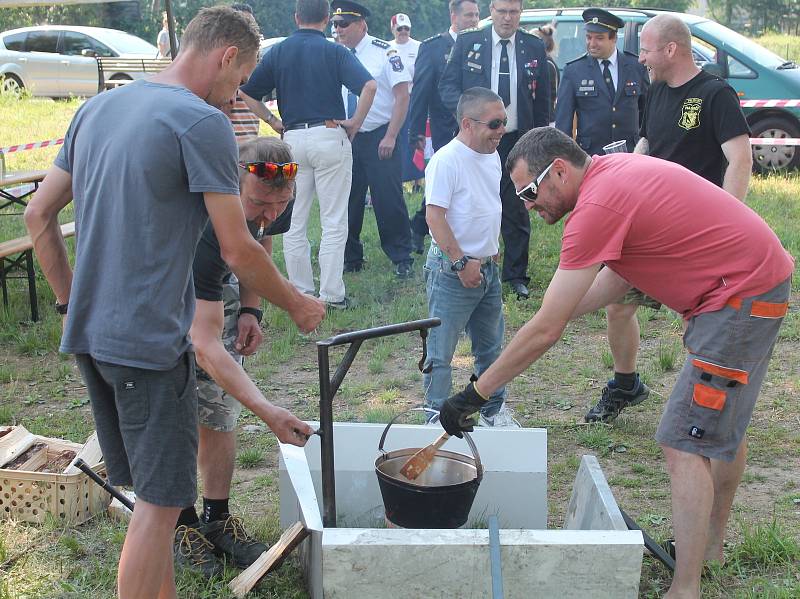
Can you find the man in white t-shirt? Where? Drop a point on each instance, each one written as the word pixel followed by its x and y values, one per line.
pixel 463 212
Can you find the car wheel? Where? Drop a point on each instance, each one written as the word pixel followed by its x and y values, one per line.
pixel 10 84
pixel 769 158
pixel 120 77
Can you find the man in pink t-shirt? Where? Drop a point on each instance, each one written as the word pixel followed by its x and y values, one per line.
pixel 686 243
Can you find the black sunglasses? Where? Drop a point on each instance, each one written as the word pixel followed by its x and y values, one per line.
pixel 494 124
pixel 342 24
pixel 530 192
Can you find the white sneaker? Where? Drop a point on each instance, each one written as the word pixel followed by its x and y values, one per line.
pixel 503 419
pixel 433 418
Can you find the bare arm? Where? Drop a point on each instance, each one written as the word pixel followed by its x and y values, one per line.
pixel 211 355
pixel 443 234
pixel 608 288
pixel 740 164
pixel 41 219
pixel 399 110
pixel 253 267
pixel 565 291
pixel 261 111
pixel 642 146
pixel 353 124
pixel 249 335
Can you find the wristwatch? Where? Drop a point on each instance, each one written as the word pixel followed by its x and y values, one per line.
pixel 62 308
pixel 254 311
pixel 460 264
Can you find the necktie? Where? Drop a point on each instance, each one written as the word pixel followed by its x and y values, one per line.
pixel 352 99
pixel 504 75
pixel 607 77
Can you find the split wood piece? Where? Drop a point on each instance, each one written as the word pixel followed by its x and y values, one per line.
pixel 36 460
pixel 419 462
pixel 269 560
pixel 89 453
pixel 14 443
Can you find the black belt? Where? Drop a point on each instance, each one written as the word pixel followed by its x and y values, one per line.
pixel 307 125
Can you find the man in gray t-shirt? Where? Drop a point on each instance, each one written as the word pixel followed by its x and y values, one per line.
pixel 145 165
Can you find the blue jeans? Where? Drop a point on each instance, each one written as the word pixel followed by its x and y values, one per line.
pixel 479 311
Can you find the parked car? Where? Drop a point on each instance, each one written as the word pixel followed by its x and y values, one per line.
pixel 753 71
pixel 58 61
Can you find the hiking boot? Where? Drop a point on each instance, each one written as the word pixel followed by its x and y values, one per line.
pixel 344 304
pixel 229 538
pixel 614 400
pixel 503 419
pixel 193 550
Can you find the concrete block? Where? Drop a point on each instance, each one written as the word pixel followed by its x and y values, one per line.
pixel 409 564
pixel 592 505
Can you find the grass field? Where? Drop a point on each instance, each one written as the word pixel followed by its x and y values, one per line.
pixel 787 46
pixel 42 390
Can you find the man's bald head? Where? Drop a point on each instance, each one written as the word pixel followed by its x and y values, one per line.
pixel 669 28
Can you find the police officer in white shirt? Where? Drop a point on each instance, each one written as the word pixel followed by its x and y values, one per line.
pixel 376 155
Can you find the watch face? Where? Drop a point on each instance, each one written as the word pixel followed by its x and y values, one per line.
pixel 458 265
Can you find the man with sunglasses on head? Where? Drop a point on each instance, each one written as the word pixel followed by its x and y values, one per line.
pixel 226 327
pixel 129 303
pixel 512 63
pixel 426 103
pixel 692 118
pixel 725 272
pixel 308 73
pixel 376 157
pixel 462 278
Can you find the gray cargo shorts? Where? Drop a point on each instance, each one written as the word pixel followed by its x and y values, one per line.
pixel 728 353
pixel 146 423
pixel 217 409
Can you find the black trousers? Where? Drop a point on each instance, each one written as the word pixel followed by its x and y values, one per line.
pixel 382 177
pixel 515 226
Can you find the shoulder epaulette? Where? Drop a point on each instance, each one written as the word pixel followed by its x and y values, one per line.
pixel 581 57
pixel 471 30
pixel 380 43
pixel 433 37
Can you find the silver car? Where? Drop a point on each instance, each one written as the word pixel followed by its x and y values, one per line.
pixel 58 61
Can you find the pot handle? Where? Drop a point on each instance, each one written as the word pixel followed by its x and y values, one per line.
pixel 467 438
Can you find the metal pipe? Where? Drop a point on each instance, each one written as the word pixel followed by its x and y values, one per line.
pixel 384 331
pixel 326 432
pixel 113 491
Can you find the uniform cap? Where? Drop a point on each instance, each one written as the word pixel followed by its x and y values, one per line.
pixel 400 20
pixel 601 21
pixel 347 10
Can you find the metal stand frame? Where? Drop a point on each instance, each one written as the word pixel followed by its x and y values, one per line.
pixel 329 386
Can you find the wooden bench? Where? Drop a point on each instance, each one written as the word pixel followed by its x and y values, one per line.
pixel 114 71
pixel 13 254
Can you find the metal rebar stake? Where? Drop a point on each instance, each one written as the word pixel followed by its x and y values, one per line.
pixel 327 391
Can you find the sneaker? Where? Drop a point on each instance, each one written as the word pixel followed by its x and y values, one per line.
pixel 432 417
pixel 193 550
pixel 403 270
pixel 229 538
pixel 503 419
pixel 343 304
pixel 614 400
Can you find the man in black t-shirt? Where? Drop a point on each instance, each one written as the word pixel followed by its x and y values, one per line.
pixel 225 328
pixel 694 119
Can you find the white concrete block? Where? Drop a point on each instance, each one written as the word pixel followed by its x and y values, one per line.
pixel 592 505
pixel 410 564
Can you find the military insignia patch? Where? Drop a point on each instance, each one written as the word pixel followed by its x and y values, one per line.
pixel 397 64
pixel 690 113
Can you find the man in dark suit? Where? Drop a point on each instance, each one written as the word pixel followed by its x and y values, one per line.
pixel 425 100
pixel 605 87
pixel 512 63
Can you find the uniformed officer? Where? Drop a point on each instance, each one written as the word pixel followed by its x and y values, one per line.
pixel 605 87
pixel 376 157
pixel 426 102
pixel 308 73
pixel 512 63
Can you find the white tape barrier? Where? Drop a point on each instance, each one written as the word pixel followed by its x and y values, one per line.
pixel 775 141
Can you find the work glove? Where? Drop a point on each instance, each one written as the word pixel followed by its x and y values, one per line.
pixel 455 413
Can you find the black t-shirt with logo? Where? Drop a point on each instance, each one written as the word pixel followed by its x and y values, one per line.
pixel 688 124
pixel 210 271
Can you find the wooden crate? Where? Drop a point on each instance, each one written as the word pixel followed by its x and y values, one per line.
pixel 30 496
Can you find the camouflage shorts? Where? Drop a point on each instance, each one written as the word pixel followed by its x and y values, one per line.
pixel 217 409
pixel 639 298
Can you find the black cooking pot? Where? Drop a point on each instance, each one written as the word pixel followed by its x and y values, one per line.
pixel 441 497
